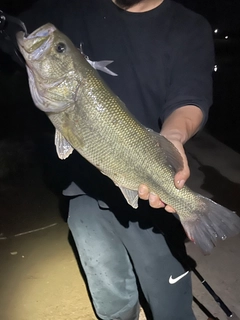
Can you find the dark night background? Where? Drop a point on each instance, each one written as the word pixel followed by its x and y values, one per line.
pixel 20 118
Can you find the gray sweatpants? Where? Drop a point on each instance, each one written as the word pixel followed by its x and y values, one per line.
pixel 108 252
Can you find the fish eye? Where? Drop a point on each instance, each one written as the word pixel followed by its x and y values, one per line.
pixel 60 47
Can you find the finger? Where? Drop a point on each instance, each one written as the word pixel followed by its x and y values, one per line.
pixel 182 176
pixel 170 209
pixel 155 202
pixel 143 192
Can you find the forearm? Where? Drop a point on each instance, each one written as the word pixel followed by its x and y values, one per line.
pixel 182 123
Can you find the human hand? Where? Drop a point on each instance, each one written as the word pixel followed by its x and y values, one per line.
pixel 179 180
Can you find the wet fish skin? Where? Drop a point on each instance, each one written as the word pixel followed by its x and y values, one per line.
pixel 94 121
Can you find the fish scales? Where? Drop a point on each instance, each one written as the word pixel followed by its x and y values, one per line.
pixel 98 129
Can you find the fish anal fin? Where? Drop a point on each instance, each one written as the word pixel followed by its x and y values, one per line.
pixel 63 147
pixel 131 196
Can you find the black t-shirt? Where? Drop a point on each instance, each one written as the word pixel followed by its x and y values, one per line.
pixel 163 57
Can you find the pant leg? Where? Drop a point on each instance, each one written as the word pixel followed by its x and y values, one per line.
pixel 109 272
pixel 155 267
pixel 92 228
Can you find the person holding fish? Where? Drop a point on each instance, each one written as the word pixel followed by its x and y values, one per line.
pixel 154 60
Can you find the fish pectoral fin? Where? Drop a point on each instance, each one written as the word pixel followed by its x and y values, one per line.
pixel 131 196
pixel 173 156
pixel 63 147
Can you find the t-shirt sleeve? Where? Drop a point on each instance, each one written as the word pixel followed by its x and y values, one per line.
pixel 190 81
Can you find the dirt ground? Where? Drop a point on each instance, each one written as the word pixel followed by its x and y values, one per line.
pixel 39 274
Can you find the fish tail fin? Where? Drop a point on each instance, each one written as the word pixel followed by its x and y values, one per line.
pixel 206 227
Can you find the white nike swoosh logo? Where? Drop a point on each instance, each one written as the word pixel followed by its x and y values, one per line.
pixel 174 280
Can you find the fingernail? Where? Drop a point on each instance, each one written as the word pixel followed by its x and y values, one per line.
pixel 180 183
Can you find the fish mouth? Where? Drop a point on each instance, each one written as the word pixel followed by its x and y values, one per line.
pixel 34 45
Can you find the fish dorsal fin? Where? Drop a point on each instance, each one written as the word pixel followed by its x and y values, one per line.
pixel 172 154
pixel 63 147
pixel 131 196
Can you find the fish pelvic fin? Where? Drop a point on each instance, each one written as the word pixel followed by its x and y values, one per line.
pixel 63 147
pixel 131 196
pixel 215 223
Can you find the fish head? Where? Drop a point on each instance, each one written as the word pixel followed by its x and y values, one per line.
pixel 51 65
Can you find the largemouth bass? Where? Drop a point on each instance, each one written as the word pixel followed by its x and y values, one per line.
pixel 90 118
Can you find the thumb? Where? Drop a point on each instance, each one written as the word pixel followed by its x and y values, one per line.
pixel 181 177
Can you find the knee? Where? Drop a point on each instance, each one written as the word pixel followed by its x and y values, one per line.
pixel 129 311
